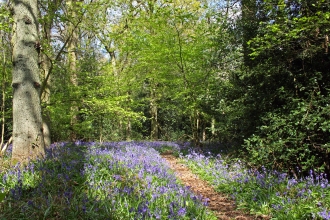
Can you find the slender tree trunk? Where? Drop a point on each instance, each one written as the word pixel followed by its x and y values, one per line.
pixel 45 98
pixel 128 130
pixel 154 115
pixel 28 141
pixel 195 121
pixel 3 118
pixel 213 127
pixel 6 145
pixel 101 128
pixel 3 104
pixel 113 60
pixel 72 59
pixel 203 133
pixel 154 121
pixel 46 115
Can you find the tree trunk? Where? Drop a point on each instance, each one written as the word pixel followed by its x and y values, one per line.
pixel 195 121
pixel 28 142
pixel 72 59
pixel 45 97
pixel 213 127
pixel 154 115
pixel 3 104
pixel 203 133
pixel 3 150
pixel 128 130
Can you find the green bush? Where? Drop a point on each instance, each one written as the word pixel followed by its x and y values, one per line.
pixel 295 140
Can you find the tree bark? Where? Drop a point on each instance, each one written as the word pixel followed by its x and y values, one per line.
pixel 154 115
pixel 45 96
pixel 128 129
pixel 72 61
pixel 28 142
pixel 213 127
pixel 3 104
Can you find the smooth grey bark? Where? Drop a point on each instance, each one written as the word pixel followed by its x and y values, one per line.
pixel 72 62
pixel 28 142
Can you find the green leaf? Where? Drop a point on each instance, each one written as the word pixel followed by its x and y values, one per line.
pixel 2 196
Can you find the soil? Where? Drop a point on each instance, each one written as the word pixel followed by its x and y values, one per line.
pixel 223 206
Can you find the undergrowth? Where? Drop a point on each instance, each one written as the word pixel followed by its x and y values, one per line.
pixel 123 180
pixel 265 192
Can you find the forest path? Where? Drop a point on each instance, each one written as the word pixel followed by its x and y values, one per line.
pixel 221 205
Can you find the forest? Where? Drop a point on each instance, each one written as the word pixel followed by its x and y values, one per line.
pixel 248 79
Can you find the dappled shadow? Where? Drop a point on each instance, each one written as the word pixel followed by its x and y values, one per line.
pixel 27 121
pixel 52 188
pixel 91 181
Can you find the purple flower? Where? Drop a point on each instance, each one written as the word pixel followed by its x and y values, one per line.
pixel 182 211
pixel 117 177
pixel 325 214
pixel 277 207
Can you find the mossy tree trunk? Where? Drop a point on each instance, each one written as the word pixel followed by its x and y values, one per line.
pixel 28 142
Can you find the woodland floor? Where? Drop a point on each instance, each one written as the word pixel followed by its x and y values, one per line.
pixel 220 204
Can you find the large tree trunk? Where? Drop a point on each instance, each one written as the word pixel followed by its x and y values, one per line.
pixel 28 142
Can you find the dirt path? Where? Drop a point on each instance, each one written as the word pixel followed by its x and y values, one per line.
pixel 223 207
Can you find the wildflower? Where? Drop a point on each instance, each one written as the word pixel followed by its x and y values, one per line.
pixel 325 214
pixel 117 177
pixel 323 186
pixel 291 182
pixel 181 212
pixel 157 213
pixel 206 202
pixel 301 193
pixel 277 207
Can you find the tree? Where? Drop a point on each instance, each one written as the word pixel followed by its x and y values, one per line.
pixel 288 86
pixel 28 142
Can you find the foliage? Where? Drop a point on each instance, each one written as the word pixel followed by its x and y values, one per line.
pixel 5 72
pixel 253 75
pixel 5 18
pixel 277 102
pixel 298 139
